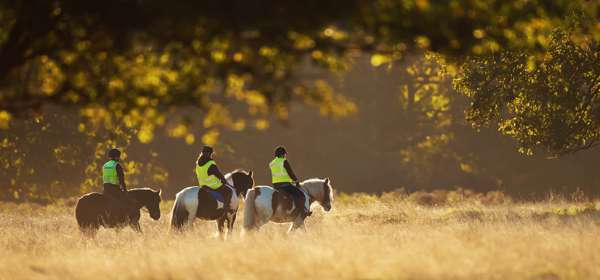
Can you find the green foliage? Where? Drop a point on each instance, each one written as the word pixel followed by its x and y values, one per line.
pixel 32 156
pixel 126 56
pixel 552 101
pixel 429 104
pixel 129 68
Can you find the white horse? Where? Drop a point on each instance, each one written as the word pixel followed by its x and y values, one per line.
pixel 264 204
pixel 195 202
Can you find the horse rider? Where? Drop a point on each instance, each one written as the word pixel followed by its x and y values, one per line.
pixel 209 175
pixel 284 179
pixel 113 179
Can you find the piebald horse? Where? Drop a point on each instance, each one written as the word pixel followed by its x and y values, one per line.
pixel 264 204
pixel 196 202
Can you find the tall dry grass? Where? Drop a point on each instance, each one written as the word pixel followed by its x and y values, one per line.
pixel 365 236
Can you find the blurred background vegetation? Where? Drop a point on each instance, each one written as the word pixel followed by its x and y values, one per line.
pixel 377 95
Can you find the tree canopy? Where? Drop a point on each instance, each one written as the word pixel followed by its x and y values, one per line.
pixel 549 101
pixel 141 58
pixel 194 68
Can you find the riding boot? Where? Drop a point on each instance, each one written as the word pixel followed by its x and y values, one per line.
pixel 301 199
pixel 227 194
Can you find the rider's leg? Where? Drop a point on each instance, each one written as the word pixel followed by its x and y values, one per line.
pixel 300 199
pixel 113 193
pixel 227 194
pixel 296 194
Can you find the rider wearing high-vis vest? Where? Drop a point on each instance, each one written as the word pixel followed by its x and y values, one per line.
pixel 284 179
pixel 210 176
pixel 113 179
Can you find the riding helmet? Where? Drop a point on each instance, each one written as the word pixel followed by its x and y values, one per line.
pixel 207 150
pixel 280 151
pixel 114 153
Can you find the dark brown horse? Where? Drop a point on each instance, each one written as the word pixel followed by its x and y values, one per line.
pixel 92 210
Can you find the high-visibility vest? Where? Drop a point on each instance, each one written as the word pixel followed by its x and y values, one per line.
pixel 204 179
pixel 109 173
pixel 278 172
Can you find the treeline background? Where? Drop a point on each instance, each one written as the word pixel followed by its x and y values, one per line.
pixel 384 146
pixel 376 95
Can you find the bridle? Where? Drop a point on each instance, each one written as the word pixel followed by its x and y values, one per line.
pixel 326 193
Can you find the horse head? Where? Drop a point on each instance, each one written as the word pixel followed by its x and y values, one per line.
pixel 150 199
pixel 327 200
pixel 319 190
pixel 242 181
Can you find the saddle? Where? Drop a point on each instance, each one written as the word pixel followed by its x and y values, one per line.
pixel 215 194
pixel 283 199
pixel 117 208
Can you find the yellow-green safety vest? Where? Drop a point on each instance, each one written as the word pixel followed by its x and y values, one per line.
pixel 278 172
pixel 204 179
pixel 109 173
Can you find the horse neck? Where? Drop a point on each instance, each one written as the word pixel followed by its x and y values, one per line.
pixel 236 187
pixel 310 190
pixel 229 179
pixel 138 195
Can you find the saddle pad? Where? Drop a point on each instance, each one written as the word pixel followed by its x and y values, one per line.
pixel 283 199
pixel 215 194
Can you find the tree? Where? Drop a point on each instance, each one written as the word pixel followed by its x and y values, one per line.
pixel 126 56
pixel 127 67
pixel 553 103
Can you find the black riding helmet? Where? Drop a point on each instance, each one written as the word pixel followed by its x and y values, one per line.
pixel 280 151
pixel 207 150
pixel 114 153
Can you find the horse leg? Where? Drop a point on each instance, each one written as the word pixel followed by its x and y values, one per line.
pixel 230 218
pixel 298 223
pixel 221 227
pixel 136 226
pixel 230 222
pixel 89 230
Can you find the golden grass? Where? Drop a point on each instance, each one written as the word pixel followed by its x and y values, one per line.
pixel 367 237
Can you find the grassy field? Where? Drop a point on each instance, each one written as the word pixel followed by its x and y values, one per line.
pixel 393 236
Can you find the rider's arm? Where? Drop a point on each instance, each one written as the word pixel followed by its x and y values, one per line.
pixel 289 170
pixel 214 170
pixel 121 176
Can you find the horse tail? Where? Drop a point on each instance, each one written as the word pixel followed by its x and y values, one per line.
pixel 179 214
pixel 79 214
pixel 250 209
pixel 87 213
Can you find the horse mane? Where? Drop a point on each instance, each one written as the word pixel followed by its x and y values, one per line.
pixel 239 170
pixel 143 189
pixel 146 189
pixel 313 181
